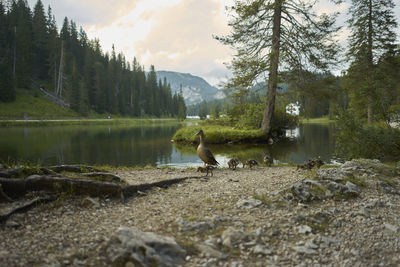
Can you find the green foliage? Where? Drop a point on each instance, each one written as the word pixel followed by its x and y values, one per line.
pixel 371 78
pixel 357 140
pixel 217 134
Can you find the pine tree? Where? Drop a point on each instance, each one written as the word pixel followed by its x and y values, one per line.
pixel 40 42
pixel 269 34
pixel 21 25
pixel 372 25
pixel 53 47
pixel 7 84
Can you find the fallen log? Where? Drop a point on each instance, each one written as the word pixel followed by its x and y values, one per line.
pixel 35 202
pixel 56 184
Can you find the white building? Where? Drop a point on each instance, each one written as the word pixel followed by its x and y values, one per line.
pixel 293 108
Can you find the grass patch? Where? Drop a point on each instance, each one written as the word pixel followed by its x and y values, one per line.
pixel 34 106
pixel 390 181
pixel 317 190
pixel 216 134
pixel 321 120
pixel 355 180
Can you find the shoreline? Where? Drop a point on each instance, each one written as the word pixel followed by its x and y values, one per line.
pixel 226 219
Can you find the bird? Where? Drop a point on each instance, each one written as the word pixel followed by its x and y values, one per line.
pixel 207 169
pixel 250 162
pixel 204 152
pixel 268 160
pixel 232 163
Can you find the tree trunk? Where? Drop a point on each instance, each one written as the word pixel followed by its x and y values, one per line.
pixel 273 70
pixel 370 64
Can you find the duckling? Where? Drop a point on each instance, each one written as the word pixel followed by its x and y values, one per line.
pixel 207 169
pixel 318 163
pixel 268 160
pixel 232 163
pixel 204 152
pixel 250 162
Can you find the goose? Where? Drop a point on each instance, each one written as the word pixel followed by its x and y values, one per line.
pixel 204 152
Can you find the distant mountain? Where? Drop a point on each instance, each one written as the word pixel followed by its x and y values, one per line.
pixel 195 89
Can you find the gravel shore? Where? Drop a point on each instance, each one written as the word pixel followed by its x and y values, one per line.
pixel 228 219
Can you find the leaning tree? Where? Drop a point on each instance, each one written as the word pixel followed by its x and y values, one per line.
pixel 270 36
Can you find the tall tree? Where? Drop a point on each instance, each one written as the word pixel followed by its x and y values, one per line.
pixel 21 26
pixel 40 42
pixel 372 25
pixel 273 34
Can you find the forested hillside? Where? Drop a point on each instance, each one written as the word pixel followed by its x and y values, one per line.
pixel 35 54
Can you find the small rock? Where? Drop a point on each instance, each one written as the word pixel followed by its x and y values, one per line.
pixel 261 250
pixel 144 247
pixel 232 237
pixel 249 203
pixel 304 229
pixel 310 244
pixel 304 250
pixel 195 226
pixel 4 254
pixel 391 227
pixel 90 202
pixel 12 224
pixel 355 252
pixel 329 240
pixel 210 251
pixel 351 189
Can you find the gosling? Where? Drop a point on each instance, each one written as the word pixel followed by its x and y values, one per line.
pixel 250 162
pixel 232 163
pixel 207 169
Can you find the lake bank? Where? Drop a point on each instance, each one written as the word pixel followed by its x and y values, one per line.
pixel 218 220
pixel 66 122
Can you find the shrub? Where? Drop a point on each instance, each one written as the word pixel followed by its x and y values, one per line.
pixel 357 140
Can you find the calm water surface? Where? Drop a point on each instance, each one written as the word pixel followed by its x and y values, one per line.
pixel 149 145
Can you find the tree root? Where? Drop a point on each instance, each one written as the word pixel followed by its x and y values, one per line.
pixel 3 195
pixel 24 208
pixel 54 184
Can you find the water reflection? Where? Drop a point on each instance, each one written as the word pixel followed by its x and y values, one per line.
pixel 303 143
pixel 150 145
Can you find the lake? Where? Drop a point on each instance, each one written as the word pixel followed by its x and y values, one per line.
pixel 150 145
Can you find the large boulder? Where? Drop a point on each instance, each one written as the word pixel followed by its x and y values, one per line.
pixel 129 245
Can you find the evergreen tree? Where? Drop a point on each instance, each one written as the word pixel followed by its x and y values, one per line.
pixel 269 34
pixel 150 93
pixel 76 66
pixel 372 25
pixel 53 47
pixel 7 85
pixel 21 27
pixel 40 42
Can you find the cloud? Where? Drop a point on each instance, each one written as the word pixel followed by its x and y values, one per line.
pixel 88 12
pixel 181 39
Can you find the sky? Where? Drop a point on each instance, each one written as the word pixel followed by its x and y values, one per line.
pixel 174 35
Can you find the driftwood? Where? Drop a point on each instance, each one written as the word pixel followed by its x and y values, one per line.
pixel 28 206
pixel 55 184
pixel 50 181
